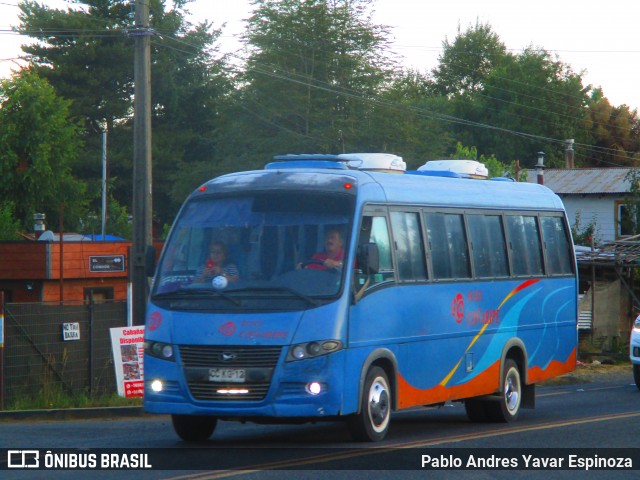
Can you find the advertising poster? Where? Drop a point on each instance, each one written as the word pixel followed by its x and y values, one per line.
pixel 128 351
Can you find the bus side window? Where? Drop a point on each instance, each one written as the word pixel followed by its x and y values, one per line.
pixel 407 237
pixel 524 242
pixel 448 245
pixel 557 246
pixel 374 229
pixel 489 247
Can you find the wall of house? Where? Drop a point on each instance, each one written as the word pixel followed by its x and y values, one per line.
pixel 31 271
pixel 600 210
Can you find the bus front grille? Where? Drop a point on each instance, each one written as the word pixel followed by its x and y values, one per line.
pixel 256 363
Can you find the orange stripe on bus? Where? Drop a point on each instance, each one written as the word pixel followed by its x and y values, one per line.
pixel 555 368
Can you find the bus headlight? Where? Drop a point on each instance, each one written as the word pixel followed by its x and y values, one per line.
pixel 303 351
pixel 159 350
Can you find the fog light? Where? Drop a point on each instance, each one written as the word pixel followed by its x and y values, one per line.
pixel 156 386
pixel 314 388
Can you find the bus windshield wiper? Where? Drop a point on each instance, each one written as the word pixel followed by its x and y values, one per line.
pixel 197 293
pixel 292 291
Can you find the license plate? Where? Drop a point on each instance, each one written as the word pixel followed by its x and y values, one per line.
pixel 231 375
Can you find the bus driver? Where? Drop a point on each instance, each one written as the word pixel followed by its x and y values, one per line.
pixel 332 256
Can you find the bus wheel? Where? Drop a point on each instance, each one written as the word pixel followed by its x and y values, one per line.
pixel 372 423
pixel 507 408
pixel 193 428
pixel 636 374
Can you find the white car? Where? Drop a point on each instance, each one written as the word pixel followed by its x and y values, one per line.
pixel 634 350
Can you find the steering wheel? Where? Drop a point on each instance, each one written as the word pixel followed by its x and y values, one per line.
pixel 313 261
pixel 316 261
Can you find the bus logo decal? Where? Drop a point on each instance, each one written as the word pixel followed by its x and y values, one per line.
pixel 227 357
pixel 155 319
pixel 457 308
pixel 227 329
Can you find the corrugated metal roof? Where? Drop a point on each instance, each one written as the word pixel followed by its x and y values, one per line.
pixel 584 181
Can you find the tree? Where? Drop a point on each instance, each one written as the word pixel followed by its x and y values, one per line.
pixel 38 143
pixel 313 69
pixel 466 62
pixel 531 101
pixel 403 120
pixel 9 226
pixel 118 221
pixel 511 105
pixel 614 132
pixel 86 53
pixel 630 221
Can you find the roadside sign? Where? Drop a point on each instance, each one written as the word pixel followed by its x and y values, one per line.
pixel 127 344
pixel 106 263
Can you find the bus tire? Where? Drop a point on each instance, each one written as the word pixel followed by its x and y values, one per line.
pixel 372 423
pixel 194 428
pixel 636 374
pixel 507 408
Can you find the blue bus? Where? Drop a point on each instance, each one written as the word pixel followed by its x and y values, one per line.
pixel 346 288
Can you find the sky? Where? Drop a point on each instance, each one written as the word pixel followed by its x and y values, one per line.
pixel 600 39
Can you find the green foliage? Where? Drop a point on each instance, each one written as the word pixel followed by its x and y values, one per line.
pixel 466 62
pixel 92 63
pixel 400 121
pixel 495 167
pixel 9 226
pixel 584 234
pixel 314 67
pixel 318 76
pixel 53 396
pixel 615 130
pixel 630 221
pixel 118 221
pixel 510 104
pixel 38 143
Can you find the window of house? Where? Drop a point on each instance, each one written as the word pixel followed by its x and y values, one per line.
pixel 99 294
pixel 625 224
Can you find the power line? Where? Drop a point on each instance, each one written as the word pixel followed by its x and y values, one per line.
pixel 312 83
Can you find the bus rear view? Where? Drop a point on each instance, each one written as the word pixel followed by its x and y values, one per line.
pixel 313 290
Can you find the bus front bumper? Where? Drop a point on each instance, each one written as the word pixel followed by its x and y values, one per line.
pixel 309 388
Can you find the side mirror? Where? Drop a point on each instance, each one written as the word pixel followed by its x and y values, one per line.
pixel 368 258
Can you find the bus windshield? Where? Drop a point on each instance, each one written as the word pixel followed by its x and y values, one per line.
pixel 268 245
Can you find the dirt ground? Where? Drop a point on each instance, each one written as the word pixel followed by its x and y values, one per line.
pixel 590 372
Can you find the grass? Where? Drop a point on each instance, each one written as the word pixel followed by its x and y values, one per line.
pixel 54 398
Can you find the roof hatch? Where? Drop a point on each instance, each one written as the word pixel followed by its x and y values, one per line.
pixel 463 168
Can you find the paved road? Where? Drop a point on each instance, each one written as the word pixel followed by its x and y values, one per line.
pixel 599 414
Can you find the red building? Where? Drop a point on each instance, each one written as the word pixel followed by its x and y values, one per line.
pixel 53 271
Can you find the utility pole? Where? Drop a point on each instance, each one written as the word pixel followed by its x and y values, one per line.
pixel 142 234
pixel 103 229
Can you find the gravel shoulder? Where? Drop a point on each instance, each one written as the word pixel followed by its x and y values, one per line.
pixel 591 372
